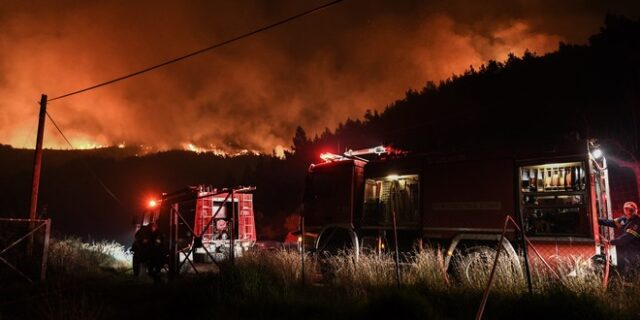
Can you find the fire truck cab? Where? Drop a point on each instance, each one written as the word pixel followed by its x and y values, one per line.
pixel 555 192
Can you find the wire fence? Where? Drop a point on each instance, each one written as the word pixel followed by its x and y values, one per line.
pixel 24 245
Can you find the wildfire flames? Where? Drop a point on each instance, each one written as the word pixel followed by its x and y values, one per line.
pixel 250 96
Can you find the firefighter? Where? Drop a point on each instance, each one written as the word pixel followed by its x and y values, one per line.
pixel 220 232
pixel 628 243
pixel 156 252
pixel 140 249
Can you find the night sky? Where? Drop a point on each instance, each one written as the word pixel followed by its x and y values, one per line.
pixel 252 94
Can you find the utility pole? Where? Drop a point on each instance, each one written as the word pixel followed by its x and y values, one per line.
pixel 37 164
pixel 37 159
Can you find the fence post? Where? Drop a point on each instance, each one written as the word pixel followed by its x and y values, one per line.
pixel 232 249
pixel 173 241
pixel 45 250
pixel 397 255
pixel 302 249
pixel 525 251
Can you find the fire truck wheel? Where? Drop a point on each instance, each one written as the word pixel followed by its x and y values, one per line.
pixel 472 265
pixel 335 240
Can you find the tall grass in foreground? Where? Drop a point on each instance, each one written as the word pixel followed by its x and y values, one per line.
pixel 261 274
pixel 271 282
pixel 378 270
pixel 372 277
pixel 73 255
pixel 425 268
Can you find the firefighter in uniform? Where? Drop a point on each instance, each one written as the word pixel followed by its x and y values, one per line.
pixel 140 249
pixel 628 243
pixel 148 249
pixel 156 252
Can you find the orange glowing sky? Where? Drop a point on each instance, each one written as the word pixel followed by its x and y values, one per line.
pixel 252 94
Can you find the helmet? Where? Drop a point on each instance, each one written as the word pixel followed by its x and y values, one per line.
pixel 631 205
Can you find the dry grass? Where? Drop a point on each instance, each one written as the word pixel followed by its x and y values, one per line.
pixel 579 280
pixel 344 271
pixel 474 268
pixel 277 275
pixel 73 255
pixel 426 268
pixel 285 266
pixel 423 267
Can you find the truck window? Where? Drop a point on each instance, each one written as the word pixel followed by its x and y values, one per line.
pixel 385 195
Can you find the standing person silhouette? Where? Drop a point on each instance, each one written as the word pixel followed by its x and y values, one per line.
pixel 156 252
pixel 628 243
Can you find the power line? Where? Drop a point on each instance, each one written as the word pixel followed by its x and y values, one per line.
pixel 189 55
pixel 104 186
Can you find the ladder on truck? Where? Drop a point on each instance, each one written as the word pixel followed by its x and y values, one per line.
pixel 246 218
pixel 205 206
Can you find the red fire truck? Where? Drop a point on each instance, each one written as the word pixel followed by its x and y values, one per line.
pixel 203 223
pixel 556 192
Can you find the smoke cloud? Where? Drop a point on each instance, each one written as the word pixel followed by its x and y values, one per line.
pixel 251 95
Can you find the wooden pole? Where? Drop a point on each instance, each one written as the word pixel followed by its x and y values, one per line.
pixel 37 159
pixel 37 164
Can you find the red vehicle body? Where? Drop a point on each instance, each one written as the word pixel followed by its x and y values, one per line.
pixel 210 202
pixel 209 221
pixel 454 198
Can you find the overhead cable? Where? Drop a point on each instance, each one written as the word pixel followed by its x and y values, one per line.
pixel 197 52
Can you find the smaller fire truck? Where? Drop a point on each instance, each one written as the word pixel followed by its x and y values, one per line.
pixel 202 223
pixel 555 190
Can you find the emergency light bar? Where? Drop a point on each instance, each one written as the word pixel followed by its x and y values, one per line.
pixel 350 154
pixel 328 156
pixel 375 150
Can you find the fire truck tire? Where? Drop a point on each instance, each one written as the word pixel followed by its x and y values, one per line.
pixel 333 240
pixel 473 264
pixel 477 262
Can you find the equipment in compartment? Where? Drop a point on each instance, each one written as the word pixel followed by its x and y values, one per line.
pixel 555 206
